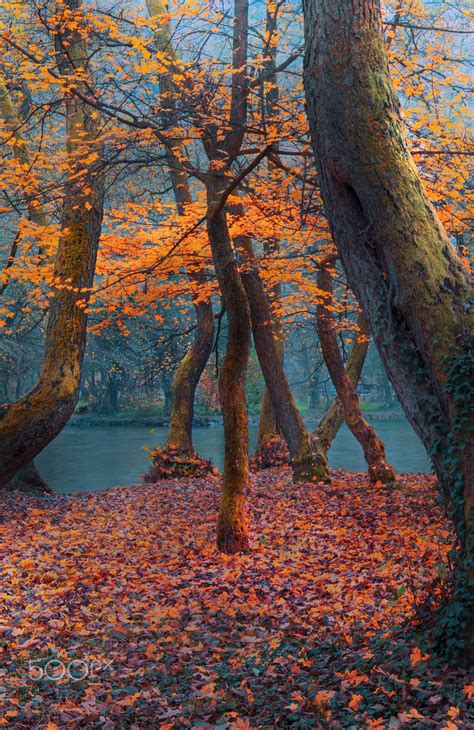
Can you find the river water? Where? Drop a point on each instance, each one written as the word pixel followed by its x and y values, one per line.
pixel 88 459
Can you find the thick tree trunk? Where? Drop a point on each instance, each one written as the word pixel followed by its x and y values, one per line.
pixel 29 424
pixel 373 448
pixel 400 263
pixel 306 463
pixel 329 425
pixel 28 480
pixel 232 533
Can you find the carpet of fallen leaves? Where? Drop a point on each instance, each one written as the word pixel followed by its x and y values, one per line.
pixel 318 626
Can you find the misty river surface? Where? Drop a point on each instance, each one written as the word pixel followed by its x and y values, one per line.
pixel 88 459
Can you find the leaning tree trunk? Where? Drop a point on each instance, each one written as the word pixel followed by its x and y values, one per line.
pixel 29 424
pixel 400 263
pixel 329 425
pixel 27 478
pixel 232 533
pixel 189 371
pixel 373 448
pixel 268 430
pixel 186 379
pixel 306 463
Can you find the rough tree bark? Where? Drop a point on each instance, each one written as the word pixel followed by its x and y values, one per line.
pixel 231 527
pixel 29 424
pixel 409 279
pixel 306 463
pixel 373 448
pixel 268 431
pixel 329 425
pixel 189 371
pixel 221 151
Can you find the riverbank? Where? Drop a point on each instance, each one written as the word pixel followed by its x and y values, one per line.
pixel 146 420
pixel 119 611
pixel 89 459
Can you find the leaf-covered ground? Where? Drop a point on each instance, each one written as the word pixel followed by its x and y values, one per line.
pixel 316 627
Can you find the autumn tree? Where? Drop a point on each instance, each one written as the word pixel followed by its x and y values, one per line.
pixel 410 280
pixel 29 424
pixel 189 371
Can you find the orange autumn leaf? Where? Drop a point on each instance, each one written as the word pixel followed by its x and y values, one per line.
pixel 355 701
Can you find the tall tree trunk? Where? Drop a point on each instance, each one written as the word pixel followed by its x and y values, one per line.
pixel 373 448
pixel 232 533
pixel 189 371
pixel 30 423
pixel 400 263
pixel 306 463
pixel 329 425
pixel 268 429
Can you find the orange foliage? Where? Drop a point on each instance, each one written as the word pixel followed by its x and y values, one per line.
pixel 146 247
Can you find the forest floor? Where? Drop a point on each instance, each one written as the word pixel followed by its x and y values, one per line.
pixel 118 611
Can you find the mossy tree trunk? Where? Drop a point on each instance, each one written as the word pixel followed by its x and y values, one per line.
pixel 232 534
pixel 189 371
pixel 30 423
pixel 410 281
pixel 222 148
pixel 329 425
pixel 373 448
pixel 268 431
